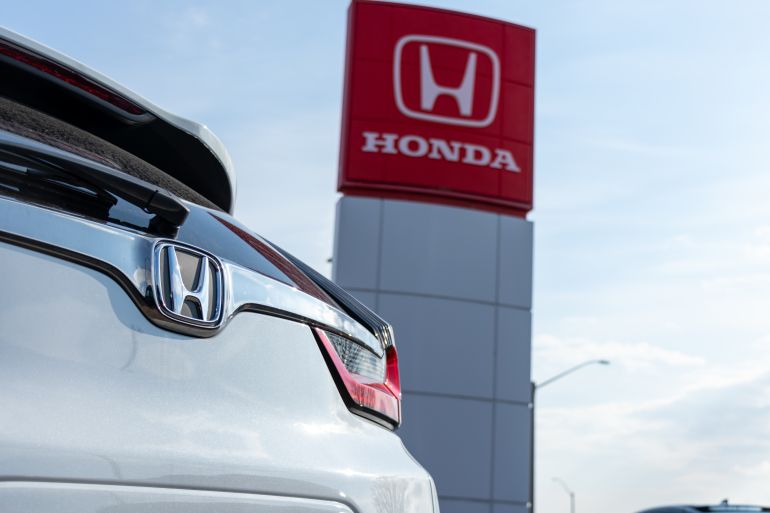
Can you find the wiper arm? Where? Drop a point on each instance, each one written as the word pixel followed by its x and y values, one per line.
pixel 169 211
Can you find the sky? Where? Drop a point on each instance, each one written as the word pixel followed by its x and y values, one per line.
pixel 652 211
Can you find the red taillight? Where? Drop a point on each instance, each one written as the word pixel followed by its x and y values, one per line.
pixel 393 379
pixel 380 400
pixel 70 77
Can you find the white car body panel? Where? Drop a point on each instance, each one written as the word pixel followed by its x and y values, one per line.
pixel 113 399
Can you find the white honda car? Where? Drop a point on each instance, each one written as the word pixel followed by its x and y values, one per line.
pixel 155 354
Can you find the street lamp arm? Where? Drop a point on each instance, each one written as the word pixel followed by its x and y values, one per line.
pixel 570 371
pixel 569 491
pixel 563 485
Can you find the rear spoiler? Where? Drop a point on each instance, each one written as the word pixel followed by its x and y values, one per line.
pixel 55 84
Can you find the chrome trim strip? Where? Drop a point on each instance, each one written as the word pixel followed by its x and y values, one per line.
pixel 127 257
pixel 254 291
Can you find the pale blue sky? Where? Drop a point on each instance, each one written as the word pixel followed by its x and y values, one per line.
pixel 652 215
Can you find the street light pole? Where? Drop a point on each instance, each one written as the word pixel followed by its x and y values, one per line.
pixel 569 491
pixel 533 389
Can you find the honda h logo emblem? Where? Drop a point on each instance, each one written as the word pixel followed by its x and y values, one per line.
pixel 189 284
pixel 472 110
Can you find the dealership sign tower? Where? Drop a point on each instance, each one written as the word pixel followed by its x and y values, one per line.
pixel 436 176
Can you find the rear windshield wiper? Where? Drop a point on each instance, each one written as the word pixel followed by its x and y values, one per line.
pixel 40 162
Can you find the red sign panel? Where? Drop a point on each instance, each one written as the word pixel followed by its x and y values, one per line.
pixel 438 107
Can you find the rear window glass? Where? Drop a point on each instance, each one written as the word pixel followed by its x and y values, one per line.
pixel 228 239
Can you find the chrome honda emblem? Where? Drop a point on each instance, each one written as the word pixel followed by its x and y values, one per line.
pixel 188 283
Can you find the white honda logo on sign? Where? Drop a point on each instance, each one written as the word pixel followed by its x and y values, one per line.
pixel 431 90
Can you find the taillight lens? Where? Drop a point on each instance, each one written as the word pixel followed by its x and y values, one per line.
pixel 70 77
pixel 369 384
